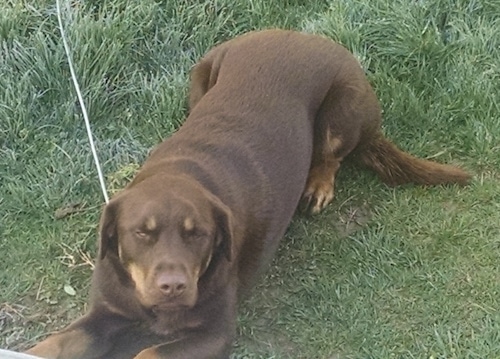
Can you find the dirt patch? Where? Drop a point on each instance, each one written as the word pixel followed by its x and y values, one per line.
pixel 22 325
pixel 12 325
pixel 352 219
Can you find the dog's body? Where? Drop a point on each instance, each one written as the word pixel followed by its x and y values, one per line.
pixel 273 114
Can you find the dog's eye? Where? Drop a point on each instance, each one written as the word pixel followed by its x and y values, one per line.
pixel 141 234
pixel 196 237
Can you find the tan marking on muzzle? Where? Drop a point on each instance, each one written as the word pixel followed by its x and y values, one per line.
pixel 139 278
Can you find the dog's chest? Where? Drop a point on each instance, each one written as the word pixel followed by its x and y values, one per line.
pixel 173 324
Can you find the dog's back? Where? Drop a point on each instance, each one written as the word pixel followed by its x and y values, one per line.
pixel 314 89
pixel 273 70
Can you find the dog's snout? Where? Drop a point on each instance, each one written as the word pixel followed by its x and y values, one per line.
pixel 172 284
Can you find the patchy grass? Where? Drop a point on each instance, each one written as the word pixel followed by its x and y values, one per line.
pixel 384 273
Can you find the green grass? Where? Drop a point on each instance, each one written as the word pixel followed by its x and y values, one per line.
pixel 408 272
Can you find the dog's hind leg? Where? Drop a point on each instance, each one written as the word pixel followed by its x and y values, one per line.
pixel 320 183
pixel 347 113
pixel 204 74
pixel 200 82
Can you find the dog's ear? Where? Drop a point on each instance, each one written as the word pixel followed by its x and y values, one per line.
pixel 224 222
pixel 108 233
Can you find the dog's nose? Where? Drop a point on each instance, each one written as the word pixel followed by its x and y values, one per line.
pixel 171 284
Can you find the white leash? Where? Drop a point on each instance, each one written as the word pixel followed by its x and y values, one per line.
pixel 82 105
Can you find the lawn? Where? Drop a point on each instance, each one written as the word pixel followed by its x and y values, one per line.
pixel 405 272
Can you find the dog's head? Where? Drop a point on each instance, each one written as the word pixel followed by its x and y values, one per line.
pixel 166 233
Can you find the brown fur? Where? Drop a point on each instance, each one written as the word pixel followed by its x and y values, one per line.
pixel 273 114
pixel 396 167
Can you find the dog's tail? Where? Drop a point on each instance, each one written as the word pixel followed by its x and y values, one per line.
pixel 396 167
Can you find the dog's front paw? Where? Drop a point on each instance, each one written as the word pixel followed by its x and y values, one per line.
pixel 74 344
pixel 46 349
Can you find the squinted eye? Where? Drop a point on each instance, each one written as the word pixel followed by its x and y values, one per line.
pixel 141 234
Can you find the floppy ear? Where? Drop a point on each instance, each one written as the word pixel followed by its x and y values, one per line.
pixel 224 221
pixel 108 240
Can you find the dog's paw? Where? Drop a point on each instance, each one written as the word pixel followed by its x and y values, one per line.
pixel 150 353
pixel 317 195
pixel 71 344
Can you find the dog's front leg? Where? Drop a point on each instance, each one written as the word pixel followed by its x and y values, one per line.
pixel 93 336
pixel 68 344
pixel 201 346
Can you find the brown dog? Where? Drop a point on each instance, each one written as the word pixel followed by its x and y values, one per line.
pixel 273 114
